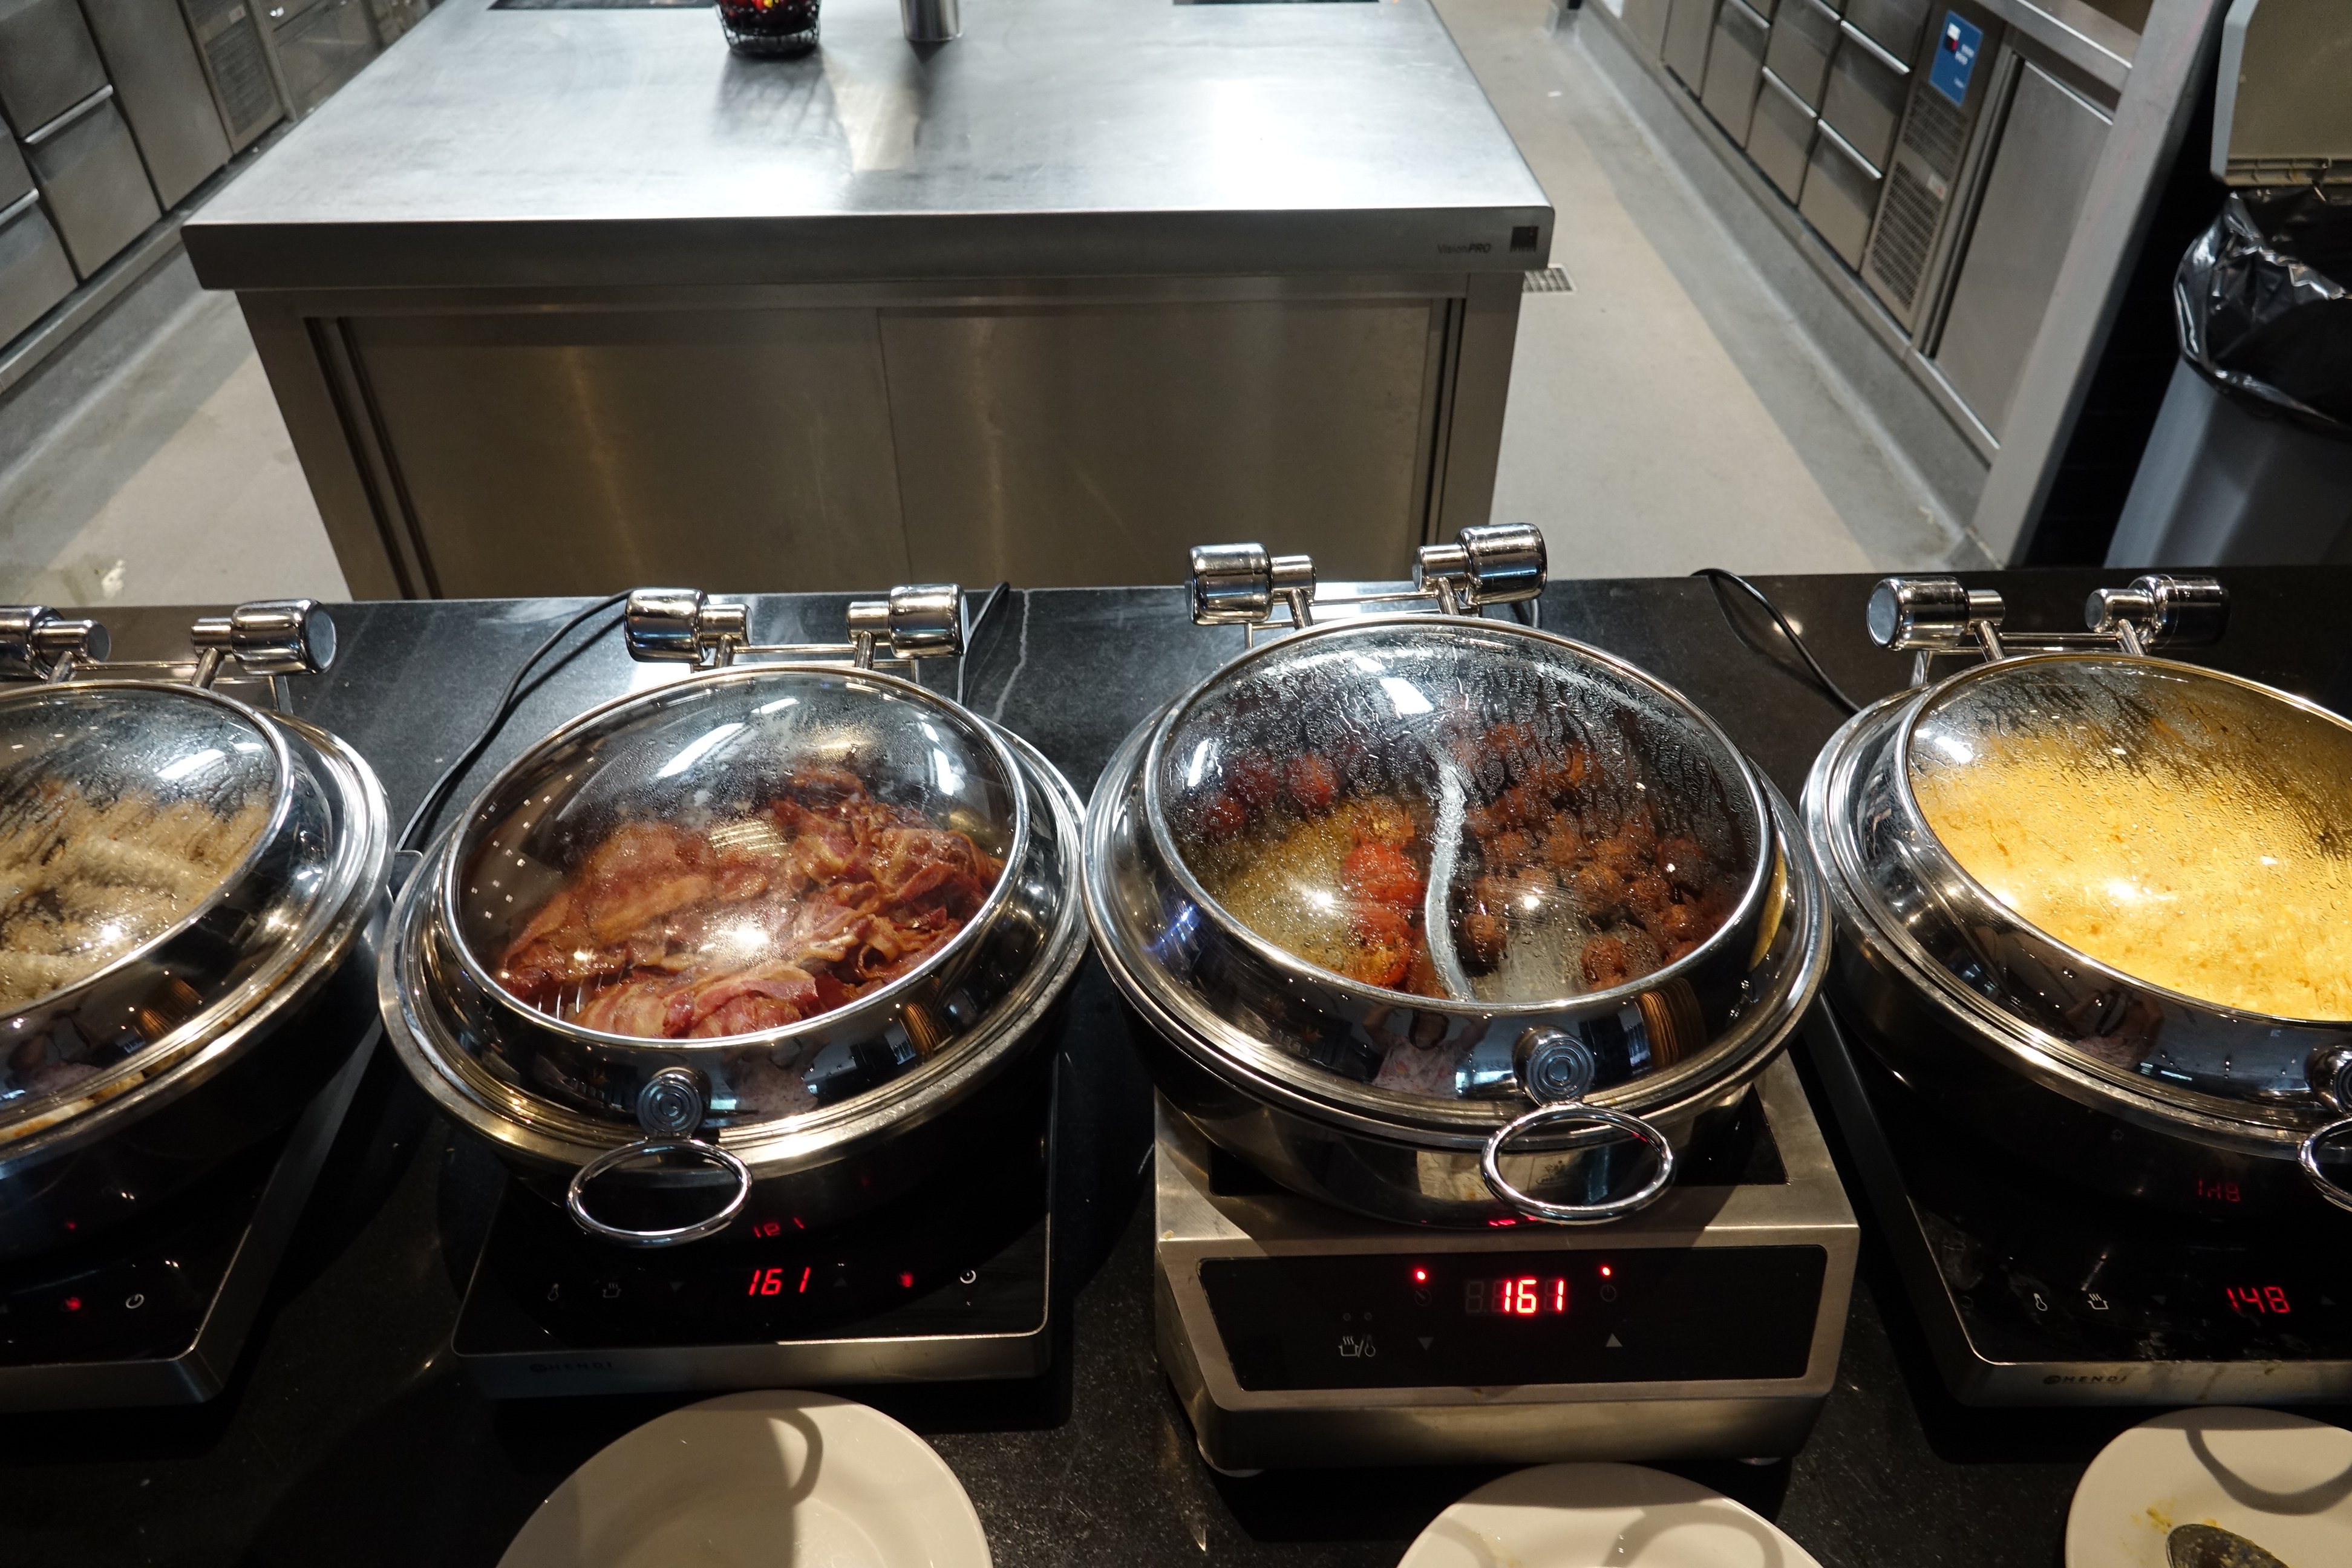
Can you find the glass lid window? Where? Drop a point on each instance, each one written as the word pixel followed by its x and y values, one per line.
pixel 1484 817
pixel 736 857
pixel 121 812
pixel 2182 828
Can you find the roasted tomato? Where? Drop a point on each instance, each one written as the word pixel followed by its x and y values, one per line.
pixel 1221 816
pixel 1311 784
pixel 1383 873
pixel 1252 779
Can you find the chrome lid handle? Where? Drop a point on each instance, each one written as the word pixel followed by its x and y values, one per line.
pixel 1558 1069
pixel 1493 563
pixel 268 637
pixel 38 644
pixel 2160 611
pixel 920 620
pixel 669 1107
pixel 680 625
pixel 1236 584
pixel 575 1196
pixel 2307 1156
pixel 1934 614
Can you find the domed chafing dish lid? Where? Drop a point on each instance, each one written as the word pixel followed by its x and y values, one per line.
pixel 751 904
pixel 2059 842
pixel 171 859
pixel 1416 871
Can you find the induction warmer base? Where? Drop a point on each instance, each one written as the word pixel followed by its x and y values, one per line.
pixel 1707 1326
pixel 2032 1291
pixel 949 1283
pixel 156 1311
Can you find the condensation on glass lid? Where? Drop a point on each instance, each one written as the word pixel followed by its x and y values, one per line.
pixel 736 866
pixel 121 813
pixel 1478 819
pixel 2185 830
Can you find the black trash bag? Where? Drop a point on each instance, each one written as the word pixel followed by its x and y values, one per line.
pixel 2263 310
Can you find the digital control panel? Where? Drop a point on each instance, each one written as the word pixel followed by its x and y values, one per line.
pixel 1463 1319
pixel 965 1253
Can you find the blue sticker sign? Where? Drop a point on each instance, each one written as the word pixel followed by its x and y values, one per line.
pixel 1956 59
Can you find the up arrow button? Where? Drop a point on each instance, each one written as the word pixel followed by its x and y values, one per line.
pixel 1614 1344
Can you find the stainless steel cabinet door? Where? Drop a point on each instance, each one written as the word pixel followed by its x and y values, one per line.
pixel 2050 147
pixel 322 48
pixel 34 272
pixel 580 452
pixel 93 183
pixel 1733 66
pixel 1646 21
pixel 161 86
pixel 1094 444
pixel 1690 27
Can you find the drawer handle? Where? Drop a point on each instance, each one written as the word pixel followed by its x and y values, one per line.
pixel 70 116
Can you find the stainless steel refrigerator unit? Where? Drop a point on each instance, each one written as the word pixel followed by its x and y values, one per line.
pixel 1942 156
pixel 554 302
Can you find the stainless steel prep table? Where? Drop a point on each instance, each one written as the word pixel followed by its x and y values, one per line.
pixel 560 301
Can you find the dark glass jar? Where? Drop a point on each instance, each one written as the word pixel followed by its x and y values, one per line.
pixel 781 27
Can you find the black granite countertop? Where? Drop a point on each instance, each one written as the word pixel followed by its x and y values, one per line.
pixel 348 1434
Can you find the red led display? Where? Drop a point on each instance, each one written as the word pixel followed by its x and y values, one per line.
pixel 769 1282
pixel 1528 1296
pixel 2214 1190
pixel 2264 1298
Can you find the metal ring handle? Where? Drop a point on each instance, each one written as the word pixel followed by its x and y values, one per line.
pixel 612 1159
pixel 2307 1156
pixel 1490 1164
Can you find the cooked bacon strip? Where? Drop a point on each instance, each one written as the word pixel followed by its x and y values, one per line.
pixel 754 923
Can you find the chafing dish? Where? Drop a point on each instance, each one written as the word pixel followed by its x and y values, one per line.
pixel 1358 885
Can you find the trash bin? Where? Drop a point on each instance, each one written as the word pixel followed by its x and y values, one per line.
pixel 2251 459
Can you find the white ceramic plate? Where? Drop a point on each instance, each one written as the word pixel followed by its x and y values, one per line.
pixel 759 1480
pixel 2281 1481
pixel 1601 1516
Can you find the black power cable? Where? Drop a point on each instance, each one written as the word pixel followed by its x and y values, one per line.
pixel 1819 678
pixel 420 824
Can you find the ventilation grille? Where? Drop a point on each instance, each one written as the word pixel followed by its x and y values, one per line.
pixel 1907 229
pixel 1550 280
pixel 232 45
pixel 1937 132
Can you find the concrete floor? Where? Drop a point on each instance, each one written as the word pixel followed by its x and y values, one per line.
pixel 1670 412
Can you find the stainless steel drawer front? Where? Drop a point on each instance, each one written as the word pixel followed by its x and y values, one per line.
pixel 160 87
pixel 15 179
pixel 1841 195
pixel 1734 66
pixel 1894 24
pixel 1781 138
pixel 1805 35
pixel 93 183
pixel 1864 98
pixel 34 272
pixel 48 62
